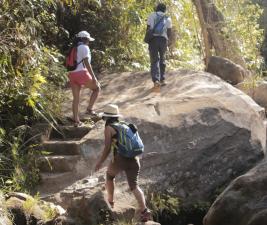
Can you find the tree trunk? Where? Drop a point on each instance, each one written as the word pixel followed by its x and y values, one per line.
pixel 224 45
pixel 207 44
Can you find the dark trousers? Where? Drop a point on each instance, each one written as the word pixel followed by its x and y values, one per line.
pixel 157 51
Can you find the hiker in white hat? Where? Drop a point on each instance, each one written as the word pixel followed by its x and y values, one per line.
pixel 83 75
pixel 124 159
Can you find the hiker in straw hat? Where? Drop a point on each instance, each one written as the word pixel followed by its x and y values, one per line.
pixel 130 165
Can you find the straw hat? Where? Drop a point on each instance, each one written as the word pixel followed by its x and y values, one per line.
pixel 111 110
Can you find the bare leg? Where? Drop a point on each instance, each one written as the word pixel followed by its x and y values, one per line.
pixel 110 189
pixel 75 103
pixel 140 197
pixel 95 91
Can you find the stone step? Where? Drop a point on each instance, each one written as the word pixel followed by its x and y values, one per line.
pixel 69 132
pixel 58 163
pixel 54 182
pixel 56 147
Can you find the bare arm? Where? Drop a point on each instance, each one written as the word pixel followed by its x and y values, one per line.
pixel 107 148
pixel 89 68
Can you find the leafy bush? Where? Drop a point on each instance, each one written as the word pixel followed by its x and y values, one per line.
pixel 31 78
pixel 242 18
pixel 169 210
pixel 119 28
pixel 18 169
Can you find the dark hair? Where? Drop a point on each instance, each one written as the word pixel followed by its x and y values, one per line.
pixel 111 120
pixel 161 7
pixel 77 40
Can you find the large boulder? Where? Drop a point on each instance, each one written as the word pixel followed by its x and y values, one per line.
pixel 26 210
pixel 244 202
pixel 199 132
pixel 86 202
pixel 226 69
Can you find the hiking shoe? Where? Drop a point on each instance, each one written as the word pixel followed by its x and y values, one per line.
pixel 78 124
pixel 91 112
pixel 163 83
pixel 145 215
pixel 156 87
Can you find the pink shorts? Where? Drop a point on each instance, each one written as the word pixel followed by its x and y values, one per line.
pixel 80 77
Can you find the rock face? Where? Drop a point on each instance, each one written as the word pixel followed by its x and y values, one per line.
pixel 258 91
pixel 199 132
pixel 86 203
pixel 244 201
pixel 25 210
pixel 4 220
pixel 226 69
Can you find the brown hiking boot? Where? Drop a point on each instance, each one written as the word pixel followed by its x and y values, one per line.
pixel 156 87
pixel 146 215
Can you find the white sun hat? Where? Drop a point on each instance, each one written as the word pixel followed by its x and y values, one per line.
pixel 111 110
pixel 85 34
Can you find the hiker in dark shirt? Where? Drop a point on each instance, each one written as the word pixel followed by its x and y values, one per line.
pixel 119 163
pixel 162 25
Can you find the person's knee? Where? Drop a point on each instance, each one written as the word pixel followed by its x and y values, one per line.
pixel 97 88
pixel 133 187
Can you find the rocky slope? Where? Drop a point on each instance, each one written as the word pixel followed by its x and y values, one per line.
pixel 199 132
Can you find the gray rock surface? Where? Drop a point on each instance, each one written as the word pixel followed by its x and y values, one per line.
pixel 26 210
pixel 244 202
pixel 86 203
pixel 226 69
pixel 199 132
pixel 4 215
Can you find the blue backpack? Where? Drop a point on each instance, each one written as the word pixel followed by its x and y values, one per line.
pixel 159 24
pixel 129 143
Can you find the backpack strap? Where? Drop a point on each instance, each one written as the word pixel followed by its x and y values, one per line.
pixel 119 136
pixel 155 25
pixel 120 132
pixel 78 63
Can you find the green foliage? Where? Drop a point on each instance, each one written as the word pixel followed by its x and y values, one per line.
pixel 31 78
pixel 163 204
pixel 30 204
pixel 170 210
pixel 18 169
pixel 242 18
pixel 119 28
pixel 49 212
pixel 46 210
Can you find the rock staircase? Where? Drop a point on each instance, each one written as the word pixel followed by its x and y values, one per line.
pixel 62 162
